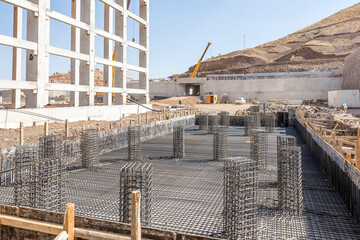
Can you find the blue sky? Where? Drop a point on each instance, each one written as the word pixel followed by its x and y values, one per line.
pixel 180 29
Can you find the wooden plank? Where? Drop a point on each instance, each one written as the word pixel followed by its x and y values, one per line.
pixel 46 129
pixel 135 216
pixel 62 236
pixel 67 128
pixel 21 133
pixel 69 225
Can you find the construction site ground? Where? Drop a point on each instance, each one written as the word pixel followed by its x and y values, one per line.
pixel 187 194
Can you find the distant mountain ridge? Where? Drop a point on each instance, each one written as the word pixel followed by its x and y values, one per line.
pixel 319 47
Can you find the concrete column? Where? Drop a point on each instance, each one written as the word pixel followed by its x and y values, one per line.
pixel 108 52
pixel 144 56
pixel 16 65
pixel 120 51
pixel 87 45
pixel 75 46
pixel 37 63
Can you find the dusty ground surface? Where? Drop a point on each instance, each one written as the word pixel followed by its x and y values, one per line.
pixel 320 47
pixel 231 108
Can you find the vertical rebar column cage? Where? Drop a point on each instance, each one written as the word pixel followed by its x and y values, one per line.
pixel 136 176
pixel 224 118
pixel 50 175
pixel 25 180
pixel 213 122
pixel 134 144
pixel 270 121
pixel 290 196
pixel 240 213
pixel 89 148
pixel 249 124
pixel 203 121
pixel 259 148
pixel 220 143
pixel 257 121
pixel 178 142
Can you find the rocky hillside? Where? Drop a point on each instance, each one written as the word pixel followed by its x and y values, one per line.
pixel 319 47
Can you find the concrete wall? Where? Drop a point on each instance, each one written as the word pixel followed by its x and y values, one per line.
pixel 352 71
pixel 339 97
pixel 10 118
pixel 266 89
pixel 297 88
pixel 341 174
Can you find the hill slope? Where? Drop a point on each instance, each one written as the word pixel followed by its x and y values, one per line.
pixel 319 47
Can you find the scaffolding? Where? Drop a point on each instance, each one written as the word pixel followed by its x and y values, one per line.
pixel 240 199
pixel 136 176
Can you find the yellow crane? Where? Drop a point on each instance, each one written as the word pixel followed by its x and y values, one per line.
pixel 198 65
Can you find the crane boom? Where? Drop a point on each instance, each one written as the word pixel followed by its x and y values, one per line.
pixel 198 64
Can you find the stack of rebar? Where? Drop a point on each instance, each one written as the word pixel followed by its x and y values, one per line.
pixel 259 148
pixel 178 142
pixel 213 122
pixel 224 118
pixel 134 144
pixel 249 124
pixel 89 148
pixel 290 198
pixel 203 121
pixel 220 143
pixel 240 199
pixel 270 121
pixel 136 176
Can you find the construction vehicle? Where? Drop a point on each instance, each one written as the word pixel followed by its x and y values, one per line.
pixel 198 64
pixel 211 98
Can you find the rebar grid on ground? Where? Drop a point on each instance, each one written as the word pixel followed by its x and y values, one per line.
pixel 136 176
pixel 240 199
pixel 134 144
pixel 270 122
pixel 224 119
pixel 259 148
pixel 220 143
pixel 213 122
pixel 89 148
pixel 290 198
pixel 203 121
pixel 178 142
pixel 249 124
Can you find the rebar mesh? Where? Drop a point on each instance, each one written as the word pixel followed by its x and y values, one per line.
pixel 136 176
pixel 270 121
pixel 249 124
pixel 224 118
pixel 290 198
pixel 134 144
pixel 257 121
pixel 203 121
pixel 213 122
pixel 89 148
pixel 220 143
pixel 259 148
pixel 240 199
pixel 178 142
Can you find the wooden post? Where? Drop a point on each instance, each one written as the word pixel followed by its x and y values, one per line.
pixel 120 124
pixel 67 128
pixel 147 117
pixel 69 224
pixel 46 129
pixel 348 157
pixel 135 215
pixel 98 128
pixel 159 116
pixel 111 126
pixel 139 119
pixel 357 150
pixel 164 116
pixel 21 133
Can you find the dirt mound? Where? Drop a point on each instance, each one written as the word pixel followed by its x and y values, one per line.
pixel 190 101
pixel 322 46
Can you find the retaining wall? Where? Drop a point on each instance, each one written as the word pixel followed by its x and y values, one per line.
pixel 342 175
